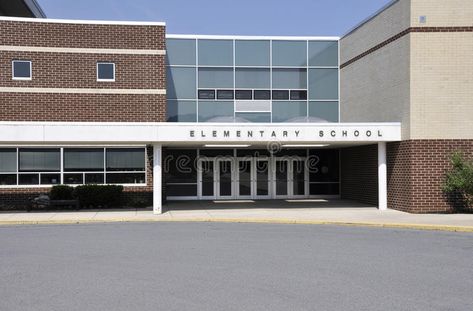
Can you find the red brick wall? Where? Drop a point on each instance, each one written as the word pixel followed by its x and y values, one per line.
pixel 416 171
pixel 359 174
pixel 78 70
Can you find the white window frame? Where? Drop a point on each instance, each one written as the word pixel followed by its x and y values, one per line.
pixel 13 69
pixel 105 63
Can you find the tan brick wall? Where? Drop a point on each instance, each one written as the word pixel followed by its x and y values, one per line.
pixel 441 85
pixel 442 12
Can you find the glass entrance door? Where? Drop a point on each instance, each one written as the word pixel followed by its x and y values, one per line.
pixel 206 179
pixel 244 182
pixel 224 182
pixel 261 184
pixel 290 178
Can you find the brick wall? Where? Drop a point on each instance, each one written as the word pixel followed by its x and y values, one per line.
pixel 76 70
pixel 416 171
pixel 359 174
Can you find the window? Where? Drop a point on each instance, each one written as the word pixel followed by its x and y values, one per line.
pixel 8 165
pixel 289 78
pixel 286 111
pixel 215 77
pixel 39 166
pixel 215 52
pixel 181 111
pixel 252 78
pixel 106 72
pixel 261 117
pixel 224 94
pixel 323 53
pixel 280 94
pixel 181 83
pixel 21 70
pixel 243 94
pixel 323 84
pixel 298 95
pixel 290 53
pixel 206 94
pixel 252 53
pixel 125 166
pixel 83 159
pixel 180 51
pixel 326 111
pixel 262 94
pixel 215 111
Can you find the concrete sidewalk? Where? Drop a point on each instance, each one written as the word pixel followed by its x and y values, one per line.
pixel 341 213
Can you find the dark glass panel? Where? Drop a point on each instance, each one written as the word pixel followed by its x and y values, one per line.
pixel 73 179
pixel 125 159
pixel 39 160
pixel 243 94
pixel 180 165
pixel 106 71
pixel 207 168
pixel 261 94
pixel 244 176
pixel 281 177
pixel 224 94
pixel 206 94
pixel 181 190
pixel 298 95
pixel 262 177
pixel 50 179
pixel 280 94
pixel 83 159
pixel 323 165
pixel 126 178
pixel 94 178
pixel 298 169
pixel 7 179
pixel 28 179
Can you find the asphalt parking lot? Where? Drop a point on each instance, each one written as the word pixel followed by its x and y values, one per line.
pixel 233 266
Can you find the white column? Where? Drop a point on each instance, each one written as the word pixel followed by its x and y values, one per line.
pixel 382 177
pixel 157 179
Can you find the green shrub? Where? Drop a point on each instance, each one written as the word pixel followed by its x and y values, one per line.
pixel 61 192
pixel 99 195
pixel 459 180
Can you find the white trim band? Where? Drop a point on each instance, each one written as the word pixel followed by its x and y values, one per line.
pixel 81 90
pixel 230 37
pixel 43 49
pixel 79 21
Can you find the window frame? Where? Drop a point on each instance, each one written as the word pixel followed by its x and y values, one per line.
pixel 13 69
pixel 114 71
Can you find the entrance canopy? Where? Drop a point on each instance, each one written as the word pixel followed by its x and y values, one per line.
pixel 197 133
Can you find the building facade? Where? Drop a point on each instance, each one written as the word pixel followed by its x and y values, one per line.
pixel 189 117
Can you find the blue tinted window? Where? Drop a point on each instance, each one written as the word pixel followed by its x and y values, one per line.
pixel 327 111
pixel 180 51
pixel 252 53
pixel 215 77
pixel 21 69
pixel 181 83
pixel 289 78
pixel 256 78
pixel 289 53
pixel 215 111
pixel 323 84
pixel 323 53
pixel 289 111
pixel 215 52
pixel 181 111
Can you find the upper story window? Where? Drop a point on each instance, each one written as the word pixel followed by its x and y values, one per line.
pixel 106 72
pixel 21 70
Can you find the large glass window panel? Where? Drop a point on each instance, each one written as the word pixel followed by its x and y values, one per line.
pixel 290 53
pixel 323 53
pixel 324 165
pixel 181 83
pixel 327 111
pixel 180 166
pixel 181 190
pixel 252 78
pixel 8 160
pixel 215 77
pixel 50 179
pixel 181 111
pixel 260 117
pixel 215 111
pixel 180 51
pixel 289 78
pixel 28 179
pixel 286 111
pixel 252 53
pixel 323 84
pixel 125 159
pixel 261 94
pixel 83 159
pixel 215 52
pixel 126 178
pixel 39 160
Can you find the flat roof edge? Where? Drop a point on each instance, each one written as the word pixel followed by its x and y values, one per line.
pixel 369 18
pixel 188 36
pixel 79 21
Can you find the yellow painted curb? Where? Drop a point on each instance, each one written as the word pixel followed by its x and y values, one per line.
pixel 249 220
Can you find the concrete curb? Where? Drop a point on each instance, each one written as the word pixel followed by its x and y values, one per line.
pixel 430 227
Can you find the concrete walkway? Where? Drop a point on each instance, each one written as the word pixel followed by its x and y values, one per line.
pixel 299 211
